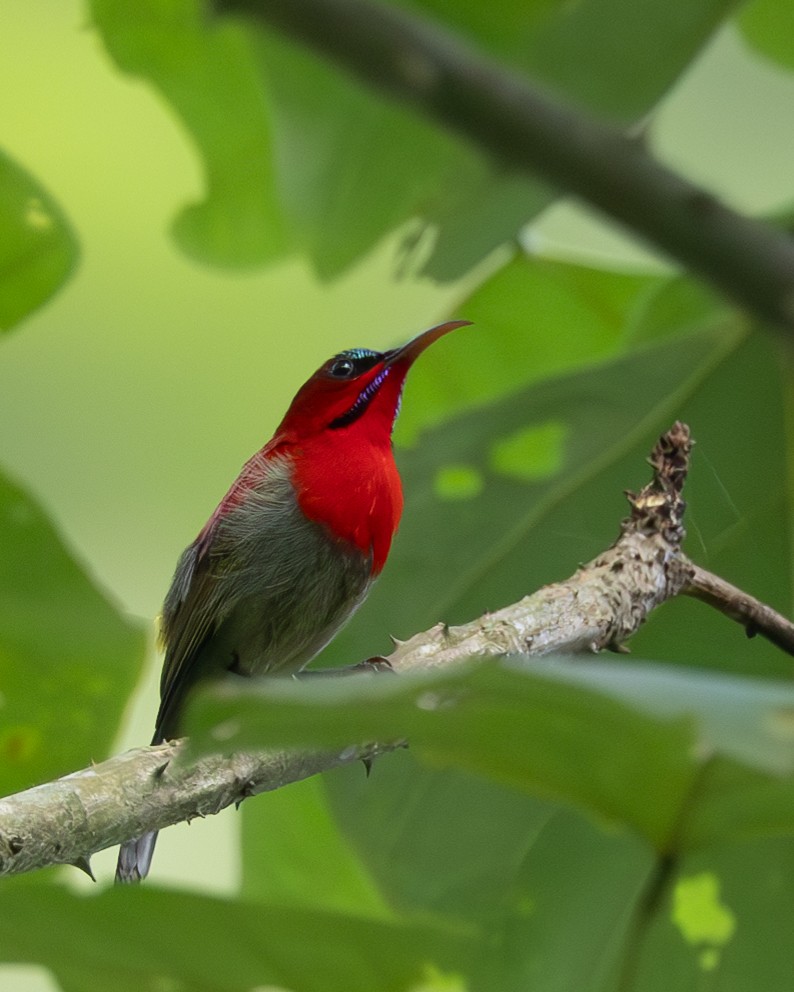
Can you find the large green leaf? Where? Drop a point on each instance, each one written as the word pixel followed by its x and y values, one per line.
pixel 279 861
pixel 535 878
pixel 68 658
pixel 354 167
pixel 567 910
pixel 37 248
pixel 131 940
pixel 533 319
pixel 207 71
pixel 298 155
pixel 746 719
pixel 544 730
pixel 722 920
pixel 738 517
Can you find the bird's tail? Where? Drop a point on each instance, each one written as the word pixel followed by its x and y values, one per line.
pixel 135 858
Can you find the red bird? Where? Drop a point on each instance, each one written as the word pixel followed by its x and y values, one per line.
pixel 294 546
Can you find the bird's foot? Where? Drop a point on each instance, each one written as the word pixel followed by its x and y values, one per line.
pixel 375 664
pixel 247 790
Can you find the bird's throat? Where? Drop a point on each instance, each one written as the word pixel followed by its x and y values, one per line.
pixel 351 486
pixel 365 398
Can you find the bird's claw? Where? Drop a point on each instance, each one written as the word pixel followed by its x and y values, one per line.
pixel 375 664
pixel 247 790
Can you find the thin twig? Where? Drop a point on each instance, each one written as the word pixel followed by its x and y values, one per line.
pixel 755 616
pixel 435 72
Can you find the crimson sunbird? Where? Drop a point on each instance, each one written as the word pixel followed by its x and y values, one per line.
pixel 293 547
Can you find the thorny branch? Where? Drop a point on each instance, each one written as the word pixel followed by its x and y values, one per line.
pixel 600 606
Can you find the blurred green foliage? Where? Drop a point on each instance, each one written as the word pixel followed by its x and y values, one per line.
pixel 769 26
pixel 300 156
pixel 38 249
pixel 67 658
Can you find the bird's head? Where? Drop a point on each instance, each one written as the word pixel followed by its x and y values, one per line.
pixel 358 386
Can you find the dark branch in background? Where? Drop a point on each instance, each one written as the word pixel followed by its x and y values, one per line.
pixel 523 128
pixel 604 603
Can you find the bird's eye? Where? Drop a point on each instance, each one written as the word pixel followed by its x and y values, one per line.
pixel 342 368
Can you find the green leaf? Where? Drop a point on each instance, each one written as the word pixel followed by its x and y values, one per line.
pixel 536 729
pixel 553 890
pixel 722 921
pixel 280 866
pixel 746 719
pixel 133 939
pixel 769 26
pixel 206 69
pixel 300 155
pixel 739 804
pixel 567 909
pixel 533 319
pixel 38 250
pixel 68 658
pixel 556 729
pixel 339 150
pixel 674 306
pixel 452 844
pixel 372 165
